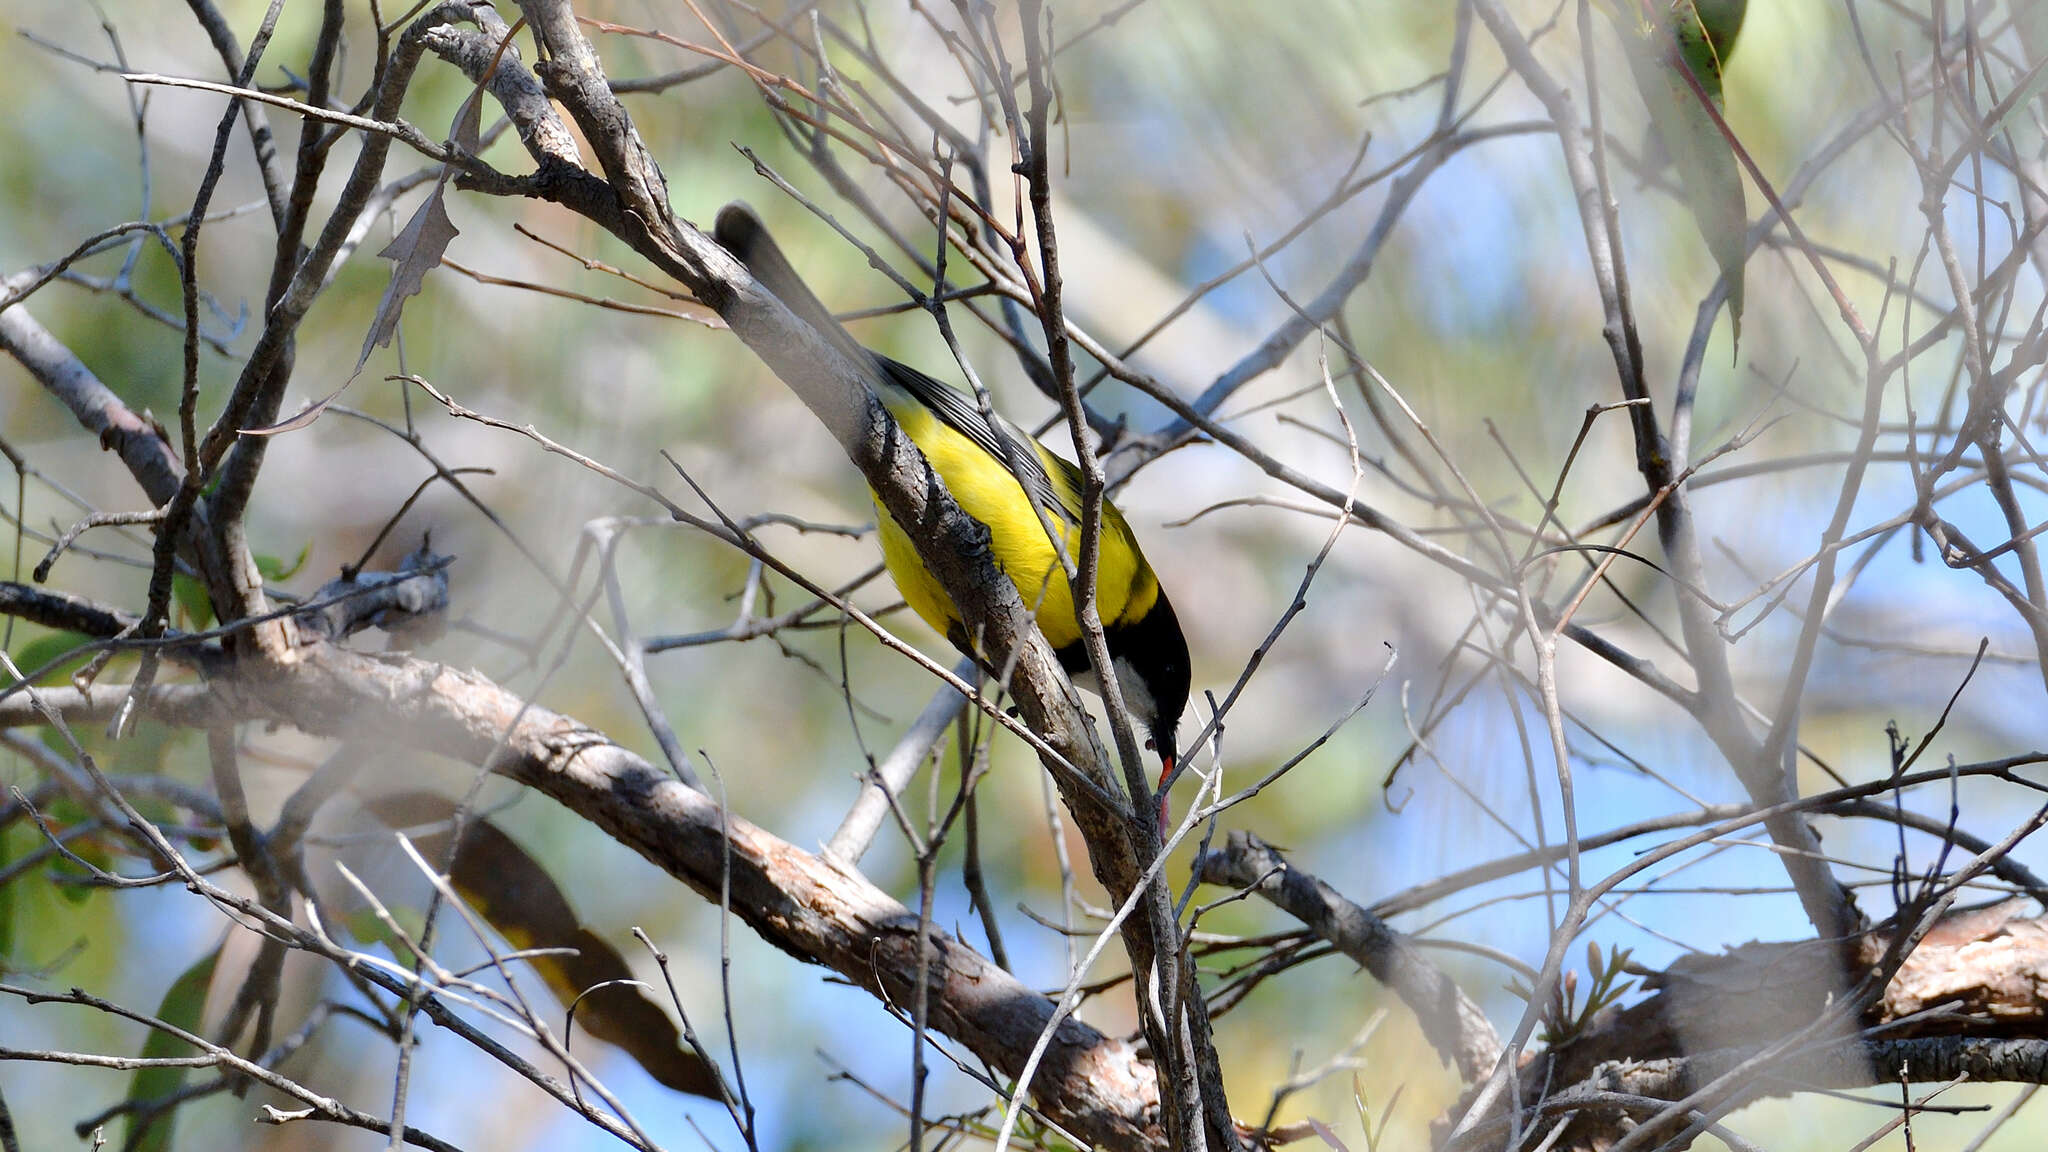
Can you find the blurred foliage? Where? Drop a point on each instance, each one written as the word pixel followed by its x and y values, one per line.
pixel 181 1008
pixel 1187 126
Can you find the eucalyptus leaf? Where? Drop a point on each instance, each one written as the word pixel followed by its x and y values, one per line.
pixel 182 1006
pixel 1690 44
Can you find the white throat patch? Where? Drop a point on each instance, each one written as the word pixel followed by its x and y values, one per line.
pixel 1137 698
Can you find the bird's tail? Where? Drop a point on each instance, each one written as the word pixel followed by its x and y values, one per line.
pixel 741 233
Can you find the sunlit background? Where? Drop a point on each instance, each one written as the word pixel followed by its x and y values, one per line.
pixel 1190 131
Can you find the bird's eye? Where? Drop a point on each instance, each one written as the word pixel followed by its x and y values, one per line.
pixel 1151 745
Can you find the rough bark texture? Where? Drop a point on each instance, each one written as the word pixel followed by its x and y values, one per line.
pixel 816 910
pixel 1972 998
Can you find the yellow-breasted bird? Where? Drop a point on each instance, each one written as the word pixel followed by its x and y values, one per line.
pixel 967 451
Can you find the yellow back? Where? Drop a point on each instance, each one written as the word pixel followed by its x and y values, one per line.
pixel 985 490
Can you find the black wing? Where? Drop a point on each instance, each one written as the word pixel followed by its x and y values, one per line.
pixel 1005 441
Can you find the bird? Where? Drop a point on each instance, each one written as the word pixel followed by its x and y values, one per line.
pixel 968 451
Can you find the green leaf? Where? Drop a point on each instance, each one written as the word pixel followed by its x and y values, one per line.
pixel 369 928
pixel 182 1006
pixel 274 569
pixel 63 815
pixel 12 848
pixel 1696 37
pixel 90 849
pixel 192 597
pixel 1706 37
pixel 53 646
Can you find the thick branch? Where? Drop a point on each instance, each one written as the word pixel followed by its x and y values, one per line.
pixel 412 597
pixel 807 905
pixel 182 705
pixel 833 381
pixel 1639 1090
pixel 1978 977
